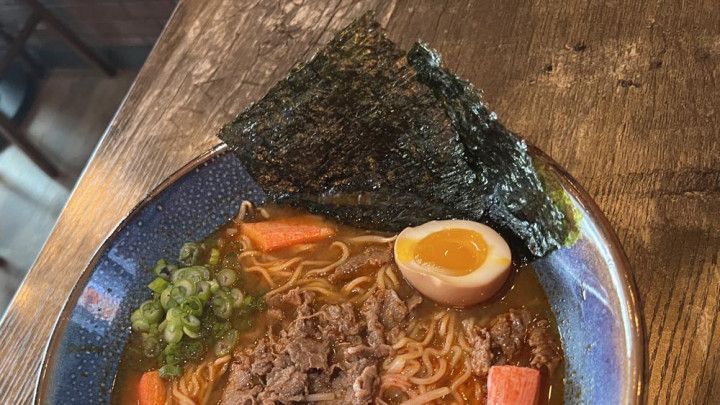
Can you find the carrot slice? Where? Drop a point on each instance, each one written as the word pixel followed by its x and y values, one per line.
pixel 286 232
pixel 151 389
pixel 510 385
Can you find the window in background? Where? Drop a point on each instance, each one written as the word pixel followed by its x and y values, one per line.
pixel 64 112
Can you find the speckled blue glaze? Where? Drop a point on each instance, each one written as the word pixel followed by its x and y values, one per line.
pixel 587 285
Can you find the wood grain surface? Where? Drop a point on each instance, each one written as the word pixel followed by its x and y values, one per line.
pixel 624 94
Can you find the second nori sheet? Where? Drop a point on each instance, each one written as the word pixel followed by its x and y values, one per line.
pixel 380 139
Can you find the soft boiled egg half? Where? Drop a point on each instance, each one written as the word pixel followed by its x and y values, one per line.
pixel 453 262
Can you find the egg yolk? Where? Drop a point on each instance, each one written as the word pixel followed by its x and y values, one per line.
pixel 456 252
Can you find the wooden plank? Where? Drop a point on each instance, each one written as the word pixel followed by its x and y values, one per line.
pixel 623 94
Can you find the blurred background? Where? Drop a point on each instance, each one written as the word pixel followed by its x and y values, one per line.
pixel 65 66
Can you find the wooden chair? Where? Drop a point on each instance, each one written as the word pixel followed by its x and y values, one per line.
pixel 16 47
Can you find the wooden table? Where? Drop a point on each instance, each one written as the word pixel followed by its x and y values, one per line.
pixel 625 95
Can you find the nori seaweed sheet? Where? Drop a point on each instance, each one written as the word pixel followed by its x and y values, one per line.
pixel 382 139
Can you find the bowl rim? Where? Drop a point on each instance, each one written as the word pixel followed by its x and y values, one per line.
pixel 622 277
pixel 632 319
pixel 41 383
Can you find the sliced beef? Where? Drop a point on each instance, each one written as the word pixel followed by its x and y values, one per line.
pixel 544 348
pixel 289 300
pixel 323 381
pixel 508 333
pixel 386 308
pixel 371 310
pixel 366 385
pixel 324 348
pixel 338 349
pixel 380 310
pixel 305 307
pixel 339 323
pixel 362 351
pixel 357 382
pixel 385 314
pixel 394 334
pixel 284 384
pixel 298 305
pixel 262 358
pixel 299 360
pixel 394 310
pixel 480 340
pixel 275 314
pixel 362 264
pixel 308 354
pixel 240 388
pixel 246 397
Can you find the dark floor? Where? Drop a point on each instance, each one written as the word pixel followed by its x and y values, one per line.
pixel 69 114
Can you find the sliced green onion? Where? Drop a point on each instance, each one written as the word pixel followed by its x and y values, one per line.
pixel 181 289
pixel 178 309
pixel 151 311
pixel 190 333
pixel 203 290
pixel 171 354
pixel 166 299
pixel 191 322
pixel 189 254
pixel 222 306
pixel 163 269
pixel 226 277
pixel 137 314
pixel 173 332
pixel 170 370
pixel 214 258
pixel 204 272
pixel 192 305
pixel 187 285
pixel 141 325
pixel 193 273
pixel 174 314
pixel 158 285
pixel 237 297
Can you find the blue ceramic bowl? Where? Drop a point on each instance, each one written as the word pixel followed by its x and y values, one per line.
pixel 588 285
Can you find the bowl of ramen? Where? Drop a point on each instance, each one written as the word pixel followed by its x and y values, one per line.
pixel 580 299
pixel 432 257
